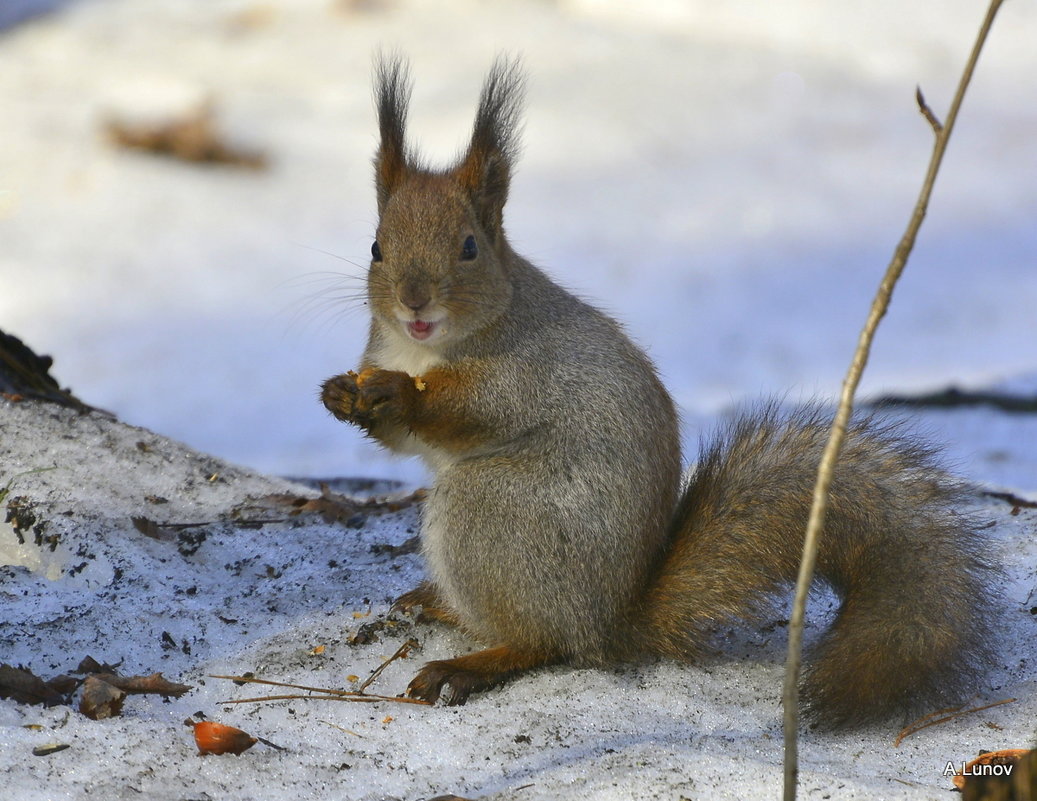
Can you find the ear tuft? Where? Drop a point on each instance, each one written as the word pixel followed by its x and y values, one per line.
pixel 485 170
pixel 392 90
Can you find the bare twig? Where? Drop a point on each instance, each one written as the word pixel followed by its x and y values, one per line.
pixel 341 728
pixel 326 693
pixel 401 653
pixel 924 722
pixel 271 683
pixel 842 416
pixel 355 697
pixel 927 112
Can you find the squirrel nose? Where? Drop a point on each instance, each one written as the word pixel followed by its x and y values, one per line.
pixel 414 295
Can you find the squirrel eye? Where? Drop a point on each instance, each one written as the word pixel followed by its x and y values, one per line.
pixel 469 250
pixel 376 251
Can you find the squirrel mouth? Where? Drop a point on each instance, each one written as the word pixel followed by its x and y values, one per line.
pixel 421 329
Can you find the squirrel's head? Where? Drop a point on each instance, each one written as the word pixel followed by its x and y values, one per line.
pixel 439 260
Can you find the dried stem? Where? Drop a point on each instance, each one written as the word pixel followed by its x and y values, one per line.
pixel 355 697
pixel 952 713
pixel 328 694
pixel 401 653
pixel 843 413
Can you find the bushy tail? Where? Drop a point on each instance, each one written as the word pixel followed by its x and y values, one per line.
pixel 913 572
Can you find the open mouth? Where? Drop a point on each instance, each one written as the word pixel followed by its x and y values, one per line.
pixel 421 329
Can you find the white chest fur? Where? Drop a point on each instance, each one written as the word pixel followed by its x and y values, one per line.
pixel 398 352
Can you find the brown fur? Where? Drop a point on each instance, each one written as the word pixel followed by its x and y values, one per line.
pixel 555 530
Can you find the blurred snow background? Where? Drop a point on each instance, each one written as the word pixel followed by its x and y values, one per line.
pixel 727 179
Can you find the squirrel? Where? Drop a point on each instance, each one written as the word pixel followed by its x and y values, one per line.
pixel 558 530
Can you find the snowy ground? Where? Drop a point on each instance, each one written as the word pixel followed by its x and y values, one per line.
pixel 728 179
pixel 226 599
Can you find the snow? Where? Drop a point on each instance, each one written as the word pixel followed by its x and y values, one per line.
pixel 226 599
pixel 729 180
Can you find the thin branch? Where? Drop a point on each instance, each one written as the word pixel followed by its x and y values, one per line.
pixel 325 693
pixel 927 112
pixel 401 653
pixel 924 722
pixel 843 413
pixel 271 683
pixel 356 697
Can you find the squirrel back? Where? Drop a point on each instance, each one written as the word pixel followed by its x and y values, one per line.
pixel 555 530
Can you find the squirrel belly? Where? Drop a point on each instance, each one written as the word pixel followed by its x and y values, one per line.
pixel 556 529
pixel 543 533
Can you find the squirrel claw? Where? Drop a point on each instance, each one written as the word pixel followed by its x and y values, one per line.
pixel 422 595
pixel 428 684
pixel 338 394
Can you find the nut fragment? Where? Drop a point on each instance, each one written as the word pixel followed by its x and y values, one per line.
pixel 363 375
pixel 215 738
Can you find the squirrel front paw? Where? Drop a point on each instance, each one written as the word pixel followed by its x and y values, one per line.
pixel 338 395
pixel 370 397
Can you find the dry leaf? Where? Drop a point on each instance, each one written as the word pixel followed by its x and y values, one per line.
pixel 149 528
pixel 156 683
pixel 100 699
pixel 192 137
pixel 26 687
pixel 91 665
pixel 215 738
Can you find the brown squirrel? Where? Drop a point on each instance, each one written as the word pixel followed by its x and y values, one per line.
pixel 557 529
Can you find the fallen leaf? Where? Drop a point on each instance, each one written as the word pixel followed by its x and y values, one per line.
pixel 100 700
pixel 91 665
pixel 332 507
pixel 65 685
pixel 26 687
pixel 149 528
pixel 192 137
pixel 216 738
pixel 156 684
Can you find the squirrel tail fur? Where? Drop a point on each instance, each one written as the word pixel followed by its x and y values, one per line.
pixel 912 572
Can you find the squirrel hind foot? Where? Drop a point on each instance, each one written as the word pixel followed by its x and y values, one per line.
pixel 471 673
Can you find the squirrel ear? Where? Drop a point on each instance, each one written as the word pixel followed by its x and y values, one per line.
pixel 392 97
pixel 485 170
